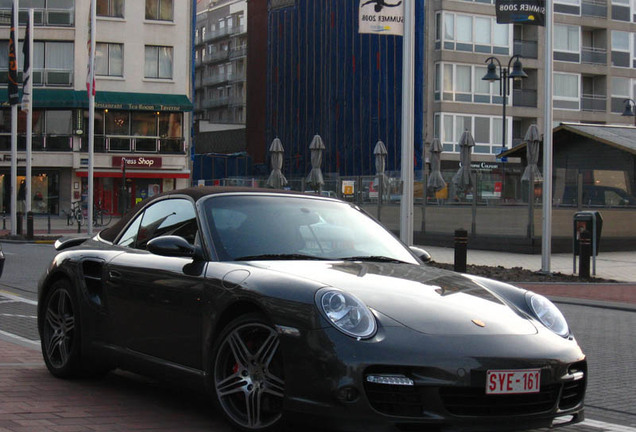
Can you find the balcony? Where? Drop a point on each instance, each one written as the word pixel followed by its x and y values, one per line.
pixel 593 55
pixel 215 79
pixel 216 102
pixel 237 101
pixel 219 56
pixel 524 98
pixel 226 31
pixel 48 17
pixel 526 48
pixel 594 8
pixel 44 77
pixel 238 52
pixel 594 103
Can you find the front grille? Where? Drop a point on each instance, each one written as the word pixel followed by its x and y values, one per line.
pixel 574 391
pixel 406 401
pixel 471 401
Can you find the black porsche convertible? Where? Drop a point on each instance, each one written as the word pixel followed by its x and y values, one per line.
pixel 296 308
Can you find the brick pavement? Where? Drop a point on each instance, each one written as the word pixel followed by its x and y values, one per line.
pixel 34 401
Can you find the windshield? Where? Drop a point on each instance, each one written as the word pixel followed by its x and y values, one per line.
pixel 247 227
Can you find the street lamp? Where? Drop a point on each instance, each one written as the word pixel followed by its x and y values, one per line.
pixel 630 104
pixel 503 76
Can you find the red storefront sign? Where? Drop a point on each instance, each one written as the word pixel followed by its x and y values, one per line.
pixel 137 162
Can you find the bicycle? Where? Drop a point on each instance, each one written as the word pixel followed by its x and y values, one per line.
pixel 101 216
pixel 75 214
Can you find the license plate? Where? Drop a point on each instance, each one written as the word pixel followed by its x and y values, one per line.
pixel 513 381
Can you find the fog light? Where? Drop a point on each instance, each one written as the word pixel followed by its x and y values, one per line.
pixel 399 380
pixel 347 394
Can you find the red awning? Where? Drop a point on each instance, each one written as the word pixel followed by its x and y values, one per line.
pixel 136 174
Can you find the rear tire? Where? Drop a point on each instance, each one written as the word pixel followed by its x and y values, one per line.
pixel 248 374
pixel 62 333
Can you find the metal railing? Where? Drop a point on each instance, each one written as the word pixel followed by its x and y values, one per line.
pixel 592 102
pixel 593 55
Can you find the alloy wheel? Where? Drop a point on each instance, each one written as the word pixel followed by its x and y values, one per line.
pixel 248 376
pixel 59 328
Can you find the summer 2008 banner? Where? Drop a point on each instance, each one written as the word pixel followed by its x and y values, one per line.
pixel 530 12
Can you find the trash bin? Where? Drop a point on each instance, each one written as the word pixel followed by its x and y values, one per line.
pixel 592 222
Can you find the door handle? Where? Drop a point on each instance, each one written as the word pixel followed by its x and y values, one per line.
pixel 114 276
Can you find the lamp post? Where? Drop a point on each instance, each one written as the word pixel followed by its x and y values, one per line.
pixel 630 104
pixel 503 76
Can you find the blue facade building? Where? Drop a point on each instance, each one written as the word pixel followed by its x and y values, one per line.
pixel 325 78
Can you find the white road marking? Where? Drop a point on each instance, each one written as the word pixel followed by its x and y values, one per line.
pixel 607 427
pixel 18 316
pixel 17 298
pixel 35 344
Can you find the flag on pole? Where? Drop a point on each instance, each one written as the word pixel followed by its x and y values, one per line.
pixel 26 69
pixel 14 95
pixel 90 74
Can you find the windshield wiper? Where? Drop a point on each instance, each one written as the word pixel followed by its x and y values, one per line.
pixel 279 257
pixel 373 258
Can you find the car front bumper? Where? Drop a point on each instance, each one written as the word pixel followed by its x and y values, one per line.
pixel 326 379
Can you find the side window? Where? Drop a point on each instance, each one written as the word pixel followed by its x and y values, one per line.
pixel 130 236
pixel 168 217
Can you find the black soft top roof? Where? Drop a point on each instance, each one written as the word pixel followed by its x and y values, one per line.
pixel 196 193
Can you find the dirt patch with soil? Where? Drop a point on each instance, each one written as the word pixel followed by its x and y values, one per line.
pixel 518 274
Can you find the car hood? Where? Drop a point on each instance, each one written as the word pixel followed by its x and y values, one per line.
pixel 423 298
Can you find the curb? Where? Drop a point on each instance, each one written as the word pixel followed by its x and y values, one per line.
pixel 624 307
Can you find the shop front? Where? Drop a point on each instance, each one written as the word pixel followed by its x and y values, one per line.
pixel 127 181
pixel 45 190
pixel 496 182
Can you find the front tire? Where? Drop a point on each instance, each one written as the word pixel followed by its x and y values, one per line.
pixel 248 374
pixel 61 331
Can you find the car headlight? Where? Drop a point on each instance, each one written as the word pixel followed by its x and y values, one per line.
pixel 346 313
pixel 549 315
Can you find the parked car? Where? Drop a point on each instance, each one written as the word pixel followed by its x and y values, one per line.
pixel 595 195
pixel 289 308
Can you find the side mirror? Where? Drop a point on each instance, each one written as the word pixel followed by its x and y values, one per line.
pixel 171 246
pixel 421 253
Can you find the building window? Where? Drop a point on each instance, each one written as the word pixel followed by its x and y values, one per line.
pixel 486 130
pixel 109 59
pixel 566 86
pixel 620 41
pixel 472 33
pixel 566 38
pixel 158 62
pixel 463 83
pixel 566 91
pixel 110 8
pixel 52 63
pixel 160 10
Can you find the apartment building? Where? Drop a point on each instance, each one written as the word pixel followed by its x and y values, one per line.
pixel 594 72
pixel 220 61
pixel 142 104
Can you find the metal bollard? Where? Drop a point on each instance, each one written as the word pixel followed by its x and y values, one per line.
pixel 585 251
pixel 79 227
pixel 19 224
pixel 4 221
pixel 461 246
pixel 48 223
pixel 30 225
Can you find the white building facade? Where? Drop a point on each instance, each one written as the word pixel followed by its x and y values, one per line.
pixel 143 103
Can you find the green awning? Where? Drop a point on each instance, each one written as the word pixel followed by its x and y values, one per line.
pixel 142 101
pixel 67 99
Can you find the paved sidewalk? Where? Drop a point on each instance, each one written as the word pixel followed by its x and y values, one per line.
pixel 45 228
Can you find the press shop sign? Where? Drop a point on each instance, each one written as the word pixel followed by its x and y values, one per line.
pixel 385 17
